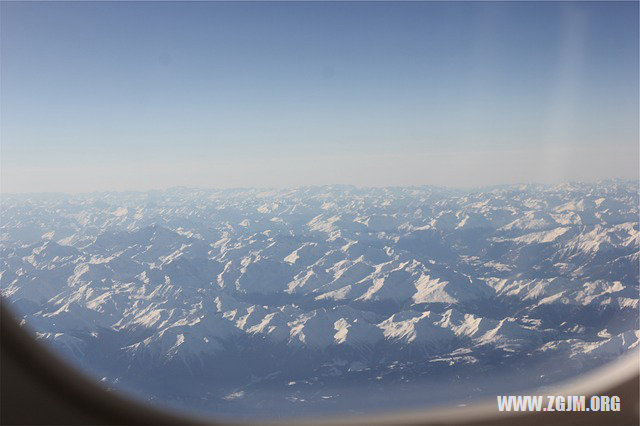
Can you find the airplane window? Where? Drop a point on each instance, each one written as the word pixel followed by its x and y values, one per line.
pixel 286 210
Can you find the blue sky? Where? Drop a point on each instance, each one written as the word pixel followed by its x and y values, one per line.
pixel 144 95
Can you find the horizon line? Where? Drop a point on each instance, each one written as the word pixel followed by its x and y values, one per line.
pixel 354 186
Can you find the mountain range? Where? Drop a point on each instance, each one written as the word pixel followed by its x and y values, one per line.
pixel 327 300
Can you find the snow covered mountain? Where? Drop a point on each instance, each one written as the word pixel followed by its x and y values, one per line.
pixel 322 299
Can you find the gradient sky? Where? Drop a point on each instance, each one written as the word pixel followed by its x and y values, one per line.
pixel 115 96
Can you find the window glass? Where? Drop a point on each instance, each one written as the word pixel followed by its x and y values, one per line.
pixel 267 210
